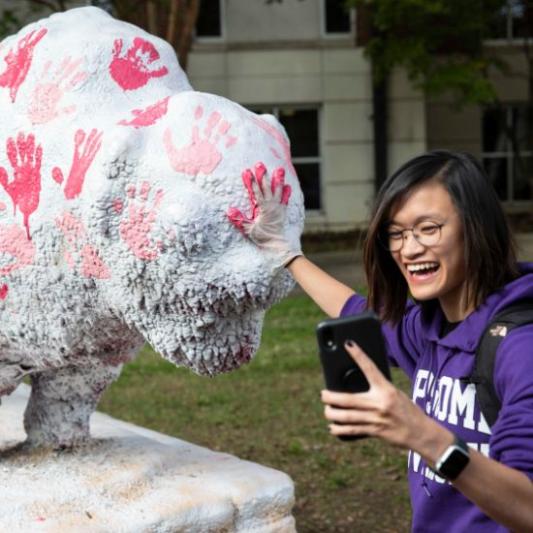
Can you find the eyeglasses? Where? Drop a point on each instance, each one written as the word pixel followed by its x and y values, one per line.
pixel 426 233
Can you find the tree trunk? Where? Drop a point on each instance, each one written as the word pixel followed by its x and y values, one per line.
pixel 181 23
pixel 187 32
pixel 380 104
pixel 151 17
pixel 175 15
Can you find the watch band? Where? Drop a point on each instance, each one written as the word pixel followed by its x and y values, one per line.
pixel 454 459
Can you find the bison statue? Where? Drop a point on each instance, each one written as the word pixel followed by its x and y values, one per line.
pixel 120 191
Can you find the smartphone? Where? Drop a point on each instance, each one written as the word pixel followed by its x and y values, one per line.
pixel 341 374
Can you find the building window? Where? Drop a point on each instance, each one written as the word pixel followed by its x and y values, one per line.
pixel 302 126
pixel 337 19
pixel 209 23
pixel 509 169
pixel 511 21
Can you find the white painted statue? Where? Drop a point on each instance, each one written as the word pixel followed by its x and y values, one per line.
pixel 120 195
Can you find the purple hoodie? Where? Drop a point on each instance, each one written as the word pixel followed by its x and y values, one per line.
pixel 435 366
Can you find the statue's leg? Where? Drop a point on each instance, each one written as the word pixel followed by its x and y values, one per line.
pixel 62 402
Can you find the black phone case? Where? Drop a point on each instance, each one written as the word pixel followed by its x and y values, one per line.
pixel 341 374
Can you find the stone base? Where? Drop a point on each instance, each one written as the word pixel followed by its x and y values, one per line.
pixel 130 479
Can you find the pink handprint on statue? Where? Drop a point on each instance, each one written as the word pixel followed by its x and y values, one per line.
pixel 47 95
pixel 148 116
pixel 260 195
pixel 201 155
pixel 135 228
pixel 15 249
pixel 132 70
pixel 18 62
pixel 25 189
pixel 80 162
pixel 77 244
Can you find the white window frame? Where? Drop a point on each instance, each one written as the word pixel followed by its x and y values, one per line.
pixel 275 109
pixel 508 154
pixel 222 36
pixel 335 35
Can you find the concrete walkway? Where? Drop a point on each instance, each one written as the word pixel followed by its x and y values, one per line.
pixel 346 265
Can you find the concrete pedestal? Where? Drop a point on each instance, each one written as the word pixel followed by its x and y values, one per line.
pixel 130 479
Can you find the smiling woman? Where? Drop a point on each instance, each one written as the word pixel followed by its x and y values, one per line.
pixel 474 253
pixel 438 233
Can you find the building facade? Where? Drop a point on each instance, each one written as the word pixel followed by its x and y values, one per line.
pixel 298 59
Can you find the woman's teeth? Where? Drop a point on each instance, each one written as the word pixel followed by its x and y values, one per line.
pixel 422 267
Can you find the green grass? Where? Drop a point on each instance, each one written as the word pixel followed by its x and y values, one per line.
pixel 269 411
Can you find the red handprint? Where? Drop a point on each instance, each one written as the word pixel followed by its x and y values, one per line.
pixel 19 61
pixel 136 228
pixel 25 189
pixel 131 71
pixel 279 192
pixel 80 162
pixel 148 116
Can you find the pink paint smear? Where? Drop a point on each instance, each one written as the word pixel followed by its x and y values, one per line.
pixel 13 242
pixel 148 116
pixel 136 226
pixel 75 234
pixel 19 61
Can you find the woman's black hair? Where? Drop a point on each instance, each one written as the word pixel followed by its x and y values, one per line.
pixel 489 249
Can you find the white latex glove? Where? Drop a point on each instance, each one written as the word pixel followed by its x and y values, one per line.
pixel 268 202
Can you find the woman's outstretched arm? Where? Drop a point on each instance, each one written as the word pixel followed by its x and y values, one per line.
pixel 326 291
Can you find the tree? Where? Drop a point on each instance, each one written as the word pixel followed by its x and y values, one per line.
pixel 172 20
pixel 441 45
pixel 438 42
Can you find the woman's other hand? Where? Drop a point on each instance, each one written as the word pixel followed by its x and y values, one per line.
pixel 383 411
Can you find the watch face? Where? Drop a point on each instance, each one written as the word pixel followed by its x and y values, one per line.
pixel 453 462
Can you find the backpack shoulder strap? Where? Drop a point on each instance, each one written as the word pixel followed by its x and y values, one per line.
pixel 517 315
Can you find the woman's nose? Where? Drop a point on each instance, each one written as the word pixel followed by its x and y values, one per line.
pixel 411 246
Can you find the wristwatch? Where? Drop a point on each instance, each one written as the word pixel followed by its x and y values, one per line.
pixel 453 461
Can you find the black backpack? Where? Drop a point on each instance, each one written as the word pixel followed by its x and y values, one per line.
pixel 514 316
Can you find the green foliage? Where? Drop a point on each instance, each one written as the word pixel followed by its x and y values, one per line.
pixel 438 42
pixel 9 23
pixel 12 20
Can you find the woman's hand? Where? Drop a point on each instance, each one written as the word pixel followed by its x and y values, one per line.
pixel 503 493
pixel 383 411
pixel 268 205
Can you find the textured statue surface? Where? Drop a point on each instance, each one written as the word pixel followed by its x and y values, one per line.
pixel 117 182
